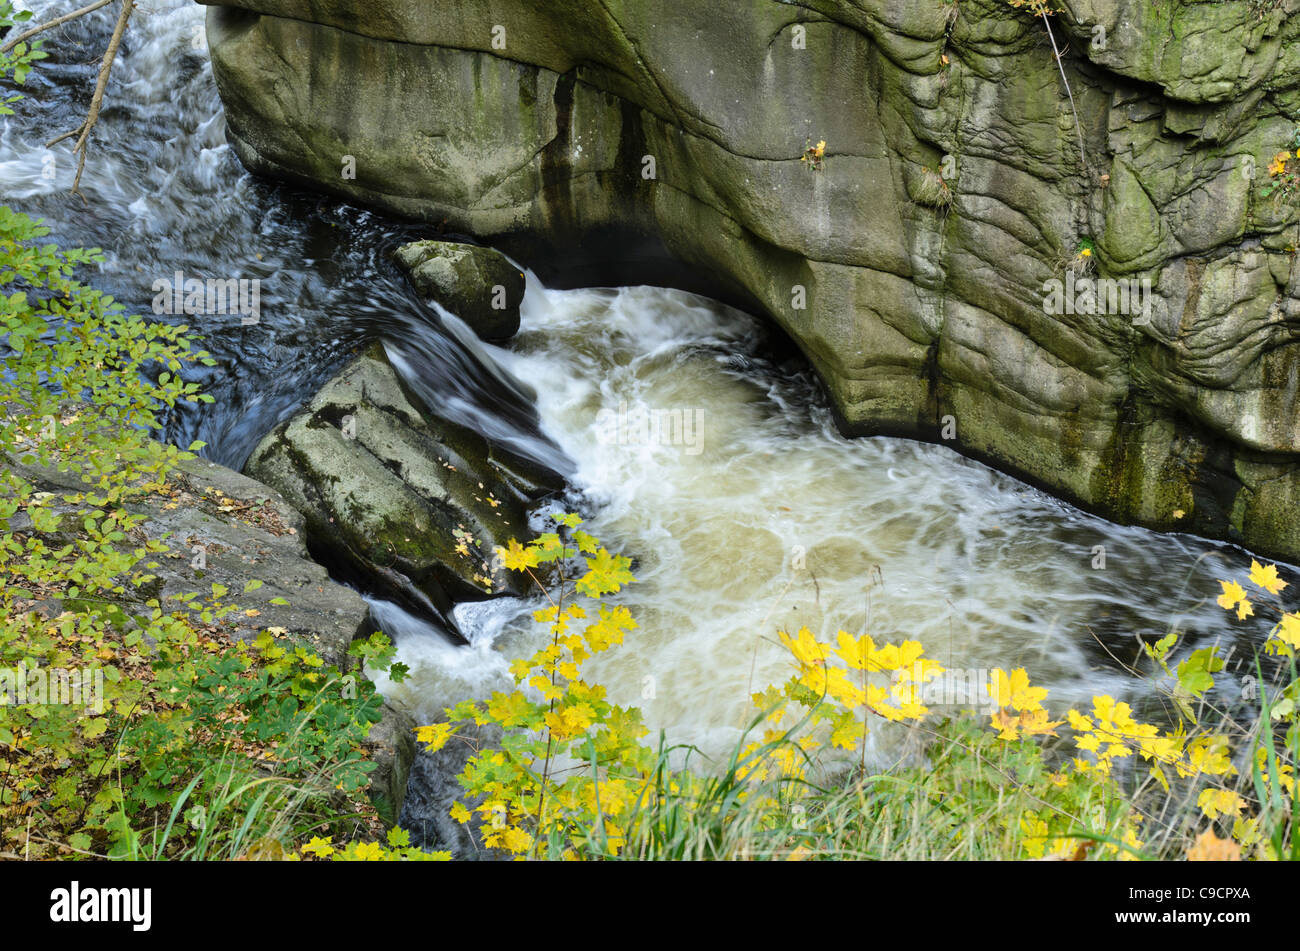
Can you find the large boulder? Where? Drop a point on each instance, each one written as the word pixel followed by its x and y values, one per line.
pixel 911 263
pixel 476 284
pixel 408 504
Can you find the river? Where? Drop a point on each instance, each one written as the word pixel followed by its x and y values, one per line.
pixel 748 514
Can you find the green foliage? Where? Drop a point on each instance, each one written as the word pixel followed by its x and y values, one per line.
pixel 555 715
pixel 398 849
pixel 194 747
pixel 17 62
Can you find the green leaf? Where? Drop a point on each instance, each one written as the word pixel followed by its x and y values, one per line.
pixel 1195 674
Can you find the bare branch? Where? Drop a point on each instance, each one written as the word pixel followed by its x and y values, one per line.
pixel 57 21
pixel 66 135
pixel 97 100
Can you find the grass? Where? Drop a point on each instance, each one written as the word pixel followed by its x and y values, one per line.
pixel 931 190
pixel 966 802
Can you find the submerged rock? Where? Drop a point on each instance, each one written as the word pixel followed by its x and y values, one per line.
pixel 658 140
pixel 409 504
pixel 476 284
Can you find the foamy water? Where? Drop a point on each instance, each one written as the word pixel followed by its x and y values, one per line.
pixel 751 514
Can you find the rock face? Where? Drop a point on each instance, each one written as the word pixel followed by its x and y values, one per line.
pixel 476 284
pixel 913 265
pixel 227 529
pixel 411 505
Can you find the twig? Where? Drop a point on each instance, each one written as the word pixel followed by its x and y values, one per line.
pixel 97 100
pixel 1083 157
pixel 57 21
pixel 59 138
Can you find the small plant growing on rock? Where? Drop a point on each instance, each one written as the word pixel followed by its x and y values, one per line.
pixel 1083 263
pixel 526 802
pixel 932 191
pixel 1284 173
pixel 814 154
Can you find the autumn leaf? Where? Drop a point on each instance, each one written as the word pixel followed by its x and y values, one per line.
pixel 606 573
pixel 516 557
pixel 1266 577
pixel 1288 629
pixel 319 847
pixel 1014 690
pixel 854 652
pixel 1220 802
pixel 435 736
pixel 1208 847
pixel 806 648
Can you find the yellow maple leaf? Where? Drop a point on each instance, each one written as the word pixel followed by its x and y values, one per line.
pixel 319 847
pixel 1220 802
pixel 516 557
pixel 1266 577
pixel 1232 594
pixel 806 649
pixel 1288 629
pixel 1013 690
pixel 855 652
pixel 435 736
pixel 514 839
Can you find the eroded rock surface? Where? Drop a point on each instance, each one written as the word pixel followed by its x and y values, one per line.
pixel 578 135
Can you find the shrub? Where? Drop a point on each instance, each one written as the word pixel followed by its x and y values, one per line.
pixel 799 784
pixel 201 747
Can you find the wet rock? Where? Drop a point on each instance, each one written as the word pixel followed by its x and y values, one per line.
pixel 391 745
pixel 409 504
pixel 432 790
pixel 476 284
pixel 918 316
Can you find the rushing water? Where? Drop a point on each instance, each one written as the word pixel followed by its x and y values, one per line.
pixel 747 514
pixel 760 517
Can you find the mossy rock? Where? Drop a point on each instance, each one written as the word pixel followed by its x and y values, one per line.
pixel 411 504
pixel 476 284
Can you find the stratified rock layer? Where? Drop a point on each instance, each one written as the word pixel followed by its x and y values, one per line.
pixel 911 266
